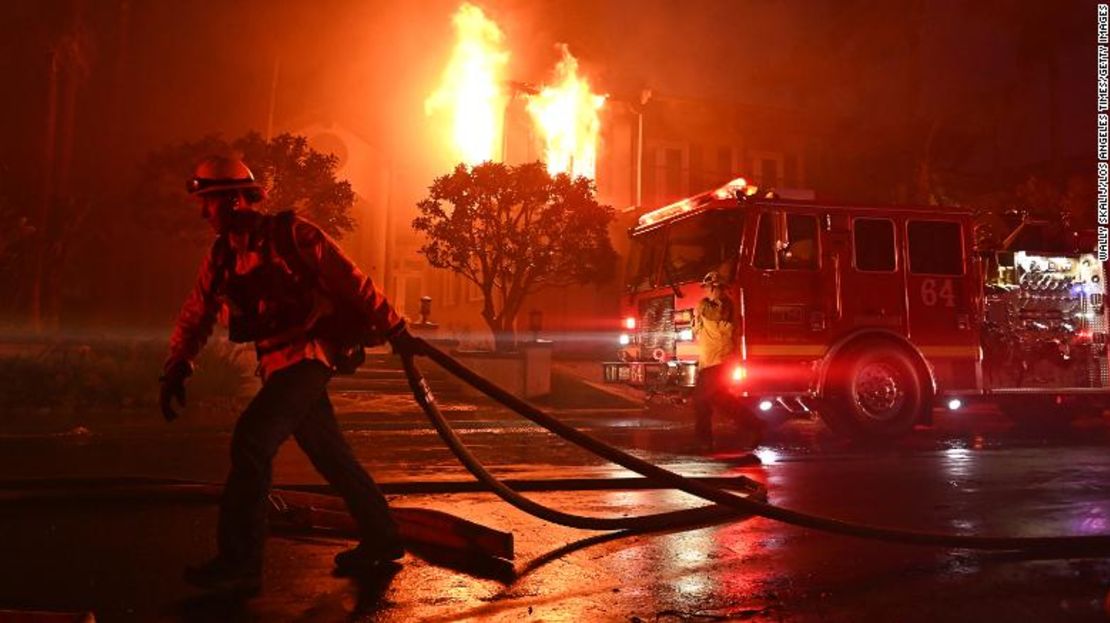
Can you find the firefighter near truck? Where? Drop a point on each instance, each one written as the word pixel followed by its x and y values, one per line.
pixel 870 316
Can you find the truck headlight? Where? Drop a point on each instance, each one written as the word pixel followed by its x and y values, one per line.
pixel 739 374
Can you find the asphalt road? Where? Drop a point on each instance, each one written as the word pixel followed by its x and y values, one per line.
pixel 971 473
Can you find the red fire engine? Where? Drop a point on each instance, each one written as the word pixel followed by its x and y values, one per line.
pixel 869 316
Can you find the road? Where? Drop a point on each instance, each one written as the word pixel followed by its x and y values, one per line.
pixel 970 473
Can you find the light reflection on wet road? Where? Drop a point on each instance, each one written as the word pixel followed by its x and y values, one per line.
pixel 960 476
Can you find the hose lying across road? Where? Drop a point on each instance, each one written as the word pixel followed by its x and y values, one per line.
pixel 726 504
pixel 660 521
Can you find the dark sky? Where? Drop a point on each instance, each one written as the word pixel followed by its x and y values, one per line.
pixel 178 70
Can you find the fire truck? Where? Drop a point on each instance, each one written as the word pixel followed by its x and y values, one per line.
pixel 870 316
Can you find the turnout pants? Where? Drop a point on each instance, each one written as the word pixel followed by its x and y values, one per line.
pixel 293 401
pixel 710 393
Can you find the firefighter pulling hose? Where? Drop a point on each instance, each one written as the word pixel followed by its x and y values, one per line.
pixel 309 311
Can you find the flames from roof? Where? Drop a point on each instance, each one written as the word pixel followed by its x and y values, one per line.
pixel 471 89
pixel 566 115
pixel 474 92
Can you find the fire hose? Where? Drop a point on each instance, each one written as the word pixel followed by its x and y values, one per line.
pixel 725 503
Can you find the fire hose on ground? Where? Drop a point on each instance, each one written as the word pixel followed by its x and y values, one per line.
pixel 726 504
pixel 305 508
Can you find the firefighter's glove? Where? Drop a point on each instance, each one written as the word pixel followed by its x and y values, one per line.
pixel 403 342
pixel 173 388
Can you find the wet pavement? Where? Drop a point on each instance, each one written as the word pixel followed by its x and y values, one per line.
pixel 972 473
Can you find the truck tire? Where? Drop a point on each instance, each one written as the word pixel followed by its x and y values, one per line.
pixel 874 392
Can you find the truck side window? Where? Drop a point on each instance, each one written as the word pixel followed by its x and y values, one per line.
pixel 765 242
pixel 873 244
pixel 800 250
pixel 936 247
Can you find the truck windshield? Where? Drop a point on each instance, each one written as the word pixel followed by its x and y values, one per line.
pixel 690 248
pixel 643 262
pixel 705 242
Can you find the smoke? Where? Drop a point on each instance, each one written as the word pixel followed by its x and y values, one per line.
pixel 847 73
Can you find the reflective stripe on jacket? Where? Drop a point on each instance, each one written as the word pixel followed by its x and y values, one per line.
pixel 337 278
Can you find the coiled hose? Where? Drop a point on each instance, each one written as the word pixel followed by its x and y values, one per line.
pixel 726 503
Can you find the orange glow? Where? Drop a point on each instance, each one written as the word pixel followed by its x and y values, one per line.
pixel 472 89
pixel 630 323
pixel 566 118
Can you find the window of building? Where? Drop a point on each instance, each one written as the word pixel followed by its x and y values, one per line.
pixel 873 245
pixel 724 164
pixel 765 168
pixel 935 247
pixel 414 289
pixel 647 178
pixel 672 173
pixel 790 172
pixel 451 289
pixel 700 178
pixel 473 292
pixel 769 171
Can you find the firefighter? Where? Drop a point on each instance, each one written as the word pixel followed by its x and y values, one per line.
pixel 714 321
pixel 274 307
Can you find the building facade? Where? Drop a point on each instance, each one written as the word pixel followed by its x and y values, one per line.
pixel 650 154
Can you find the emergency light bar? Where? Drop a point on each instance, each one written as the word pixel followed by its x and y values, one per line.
pixel 729 190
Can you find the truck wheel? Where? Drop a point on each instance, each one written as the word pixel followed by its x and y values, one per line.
pixel 875 392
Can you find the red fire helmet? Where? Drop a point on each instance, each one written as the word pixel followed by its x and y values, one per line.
pixel 220 173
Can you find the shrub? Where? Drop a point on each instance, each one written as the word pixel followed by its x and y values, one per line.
pixel 113 374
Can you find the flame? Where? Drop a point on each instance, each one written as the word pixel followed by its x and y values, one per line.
pixel 566 117
pixel 473 93
pixel 472 90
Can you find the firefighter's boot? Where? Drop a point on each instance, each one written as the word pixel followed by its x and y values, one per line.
pixel 368 559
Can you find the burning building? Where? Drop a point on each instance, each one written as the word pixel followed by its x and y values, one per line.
pixel 642 150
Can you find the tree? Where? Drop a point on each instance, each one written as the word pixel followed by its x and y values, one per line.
pixel 296 177
pixel 513 231
pixel 1069 206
